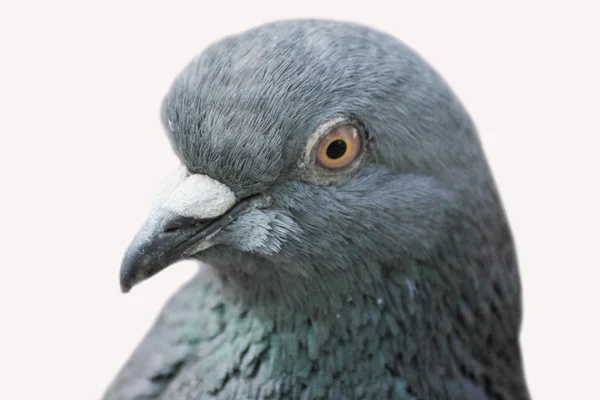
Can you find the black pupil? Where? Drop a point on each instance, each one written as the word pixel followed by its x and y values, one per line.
pixel 336 149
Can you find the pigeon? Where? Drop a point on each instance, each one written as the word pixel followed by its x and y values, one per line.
pixel 351 239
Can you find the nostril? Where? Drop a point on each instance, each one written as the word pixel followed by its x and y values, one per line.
pixel 178 224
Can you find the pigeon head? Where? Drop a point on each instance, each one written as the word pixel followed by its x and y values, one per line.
pixel 330 176
pixel 325 161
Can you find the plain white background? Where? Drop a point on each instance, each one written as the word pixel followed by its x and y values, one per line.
pixel 82 147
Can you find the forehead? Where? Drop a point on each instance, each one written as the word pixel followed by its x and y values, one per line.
pixel 241 112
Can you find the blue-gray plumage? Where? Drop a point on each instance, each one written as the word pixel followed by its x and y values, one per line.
pixel 357 245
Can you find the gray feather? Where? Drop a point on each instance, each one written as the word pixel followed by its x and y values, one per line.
pixel 396 281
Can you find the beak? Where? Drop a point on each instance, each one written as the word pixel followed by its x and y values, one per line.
pixel 173 233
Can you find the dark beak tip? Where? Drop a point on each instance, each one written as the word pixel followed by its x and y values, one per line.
pixel 129 270
pixel 126 284
pixel 139 265
pixel 125 287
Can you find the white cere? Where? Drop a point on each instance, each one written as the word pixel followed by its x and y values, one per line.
pixel 197 196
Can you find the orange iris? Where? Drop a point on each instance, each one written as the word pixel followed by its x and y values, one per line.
pixel 339 147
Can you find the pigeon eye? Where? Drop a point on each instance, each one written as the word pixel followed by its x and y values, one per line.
pixel 339 147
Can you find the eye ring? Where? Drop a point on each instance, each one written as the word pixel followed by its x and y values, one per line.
pixel 340 147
